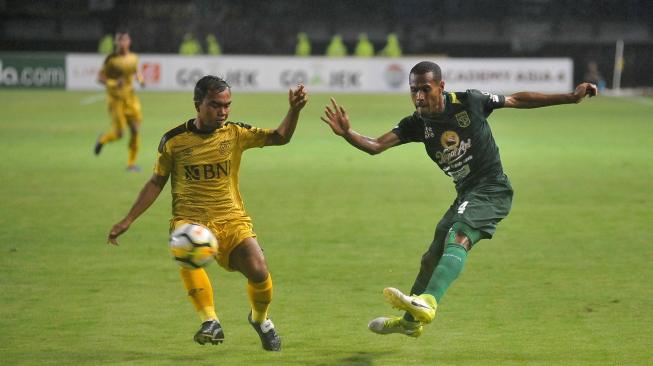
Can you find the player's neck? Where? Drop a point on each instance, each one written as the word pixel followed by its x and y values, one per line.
pixel 439 112
pixel 202 128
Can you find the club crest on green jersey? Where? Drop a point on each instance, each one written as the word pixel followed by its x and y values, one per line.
pixel 463 119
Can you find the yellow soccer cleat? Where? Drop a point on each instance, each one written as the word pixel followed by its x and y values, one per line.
pixel 421 307
pixel 386 325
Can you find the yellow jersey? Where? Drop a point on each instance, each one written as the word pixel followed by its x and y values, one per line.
pixel 204 168
pixel 120 67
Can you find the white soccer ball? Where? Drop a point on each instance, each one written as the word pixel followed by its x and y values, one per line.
pixel 193 246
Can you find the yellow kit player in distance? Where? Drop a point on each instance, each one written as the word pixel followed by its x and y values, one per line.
pixel 117 74
pixel 202 156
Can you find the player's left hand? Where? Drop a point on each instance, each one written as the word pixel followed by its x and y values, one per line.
pixel 585 89
pixel 298 97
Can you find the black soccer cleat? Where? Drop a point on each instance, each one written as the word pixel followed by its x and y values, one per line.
pixel 270 340
pixel 98 147
pixel 210 332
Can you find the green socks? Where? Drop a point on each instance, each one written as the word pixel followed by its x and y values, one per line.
pixel 447 270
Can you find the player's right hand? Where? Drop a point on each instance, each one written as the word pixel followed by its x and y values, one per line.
pixel 585 89
pixel 298 97
pixel 116 231
pixel 336 118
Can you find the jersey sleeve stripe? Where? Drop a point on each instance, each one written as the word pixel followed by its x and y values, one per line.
pixel 172 133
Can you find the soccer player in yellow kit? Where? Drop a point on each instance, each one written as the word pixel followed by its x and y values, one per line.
pixel 117 74
pixel 203 158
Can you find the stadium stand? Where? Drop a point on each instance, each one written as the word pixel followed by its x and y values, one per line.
pixel 582 29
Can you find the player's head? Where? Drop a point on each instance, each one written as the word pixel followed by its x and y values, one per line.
pixel 426 88
pixel 212 99
pixel 123 41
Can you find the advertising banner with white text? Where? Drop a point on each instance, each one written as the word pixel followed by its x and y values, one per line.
pixel 322 74
pixel 32 70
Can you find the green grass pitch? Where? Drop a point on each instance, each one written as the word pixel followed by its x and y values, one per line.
pixel 567 280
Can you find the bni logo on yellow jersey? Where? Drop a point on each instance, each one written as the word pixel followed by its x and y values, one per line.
pixel 207 171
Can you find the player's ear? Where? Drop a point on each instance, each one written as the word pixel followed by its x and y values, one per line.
pixel 442 84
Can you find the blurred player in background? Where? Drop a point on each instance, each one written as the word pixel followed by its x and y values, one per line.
pixel 117 74
pixel 454 130
pixel 203 157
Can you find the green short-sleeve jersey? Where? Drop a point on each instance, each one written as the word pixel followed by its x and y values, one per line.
pixel 459 140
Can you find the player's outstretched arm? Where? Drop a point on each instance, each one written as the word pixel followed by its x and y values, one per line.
pixel 146 197
pixel 297 98
pixel 536 100
pixel 336 117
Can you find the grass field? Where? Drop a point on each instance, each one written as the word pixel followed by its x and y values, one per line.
pixel 567 280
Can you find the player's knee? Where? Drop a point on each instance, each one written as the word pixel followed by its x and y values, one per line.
pixel 259 272
pixel 249 260
pixel 133 128
pixel 462 234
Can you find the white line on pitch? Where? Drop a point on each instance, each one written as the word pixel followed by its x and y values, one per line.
pixel 92 99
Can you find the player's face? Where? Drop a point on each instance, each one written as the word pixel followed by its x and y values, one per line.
pixel 427 94
pixel 214 110
pixel 123 42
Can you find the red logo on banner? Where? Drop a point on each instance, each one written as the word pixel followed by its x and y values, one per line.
pixel 151 72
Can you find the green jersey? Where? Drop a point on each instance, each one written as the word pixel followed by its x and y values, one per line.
pixel 459 140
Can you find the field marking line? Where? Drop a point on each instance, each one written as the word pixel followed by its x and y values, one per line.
pixel 92 99
pixel 644 101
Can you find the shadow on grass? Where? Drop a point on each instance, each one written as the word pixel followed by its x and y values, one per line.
pixel 357 359
pixel 137 357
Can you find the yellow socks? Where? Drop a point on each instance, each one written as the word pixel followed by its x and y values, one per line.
pixel 199 289
pixel 134 143
pixel 260 295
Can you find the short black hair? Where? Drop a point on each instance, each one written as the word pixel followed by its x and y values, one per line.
pixel 426 67
pixel 209 83
pixel 121 32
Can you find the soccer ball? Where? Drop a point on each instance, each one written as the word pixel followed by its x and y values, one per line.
pixel 193 246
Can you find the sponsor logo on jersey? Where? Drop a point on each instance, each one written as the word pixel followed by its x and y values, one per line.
pixel 453 148
pixel 494 99
pixel 207 171
pixel 449 140
pixel 428 133
pixel 463 119
pixel 461 173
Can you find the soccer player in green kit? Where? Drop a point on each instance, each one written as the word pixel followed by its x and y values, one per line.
pixel 454 130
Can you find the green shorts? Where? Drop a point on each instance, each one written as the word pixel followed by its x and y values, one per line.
pixel 482 206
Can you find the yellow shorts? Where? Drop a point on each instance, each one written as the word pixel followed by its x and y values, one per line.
pixel 124 109
pixel 229 234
